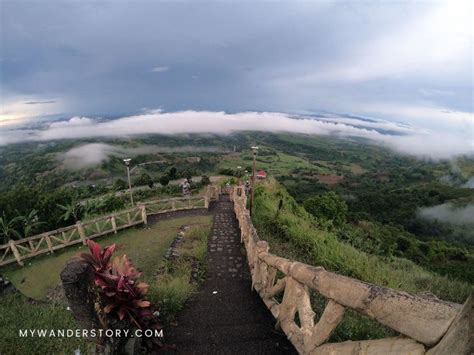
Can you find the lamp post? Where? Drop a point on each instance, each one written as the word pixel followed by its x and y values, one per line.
pixel 127 164
pixel 254 148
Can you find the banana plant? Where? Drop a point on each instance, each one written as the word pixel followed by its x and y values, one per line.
pixel 30 222
pixel 73 209
pixel 8 227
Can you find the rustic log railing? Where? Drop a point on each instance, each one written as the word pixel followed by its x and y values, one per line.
pixel 426 325
pixel 48 242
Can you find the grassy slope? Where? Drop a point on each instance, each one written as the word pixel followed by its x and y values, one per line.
pixel 293 233
pixel 146 248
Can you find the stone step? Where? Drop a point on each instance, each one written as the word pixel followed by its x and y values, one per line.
pixel 225 316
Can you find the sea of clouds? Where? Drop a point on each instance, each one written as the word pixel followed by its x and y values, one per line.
pixel 401 138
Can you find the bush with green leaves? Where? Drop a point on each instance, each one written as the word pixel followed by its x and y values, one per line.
pixel 293 232
pixel 164 180
pixel 329 206
pixel 119 185
pixel 205 180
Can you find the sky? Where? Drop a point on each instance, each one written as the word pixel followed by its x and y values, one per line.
pixel 406 62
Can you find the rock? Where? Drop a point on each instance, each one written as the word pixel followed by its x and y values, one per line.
pixel 6 286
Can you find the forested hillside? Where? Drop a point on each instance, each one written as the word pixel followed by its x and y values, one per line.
pixel 392 205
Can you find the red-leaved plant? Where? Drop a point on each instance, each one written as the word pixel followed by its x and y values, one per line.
pixel 122 295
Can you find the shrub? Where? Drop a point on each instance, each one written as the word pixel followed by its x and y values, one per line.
pixel 164 180
pixel 122 296
pixel 329 206
pixel 119 184
pixel 205 180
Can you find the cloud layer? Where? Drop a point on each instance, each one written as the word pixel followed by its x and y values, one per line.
pixel 402 138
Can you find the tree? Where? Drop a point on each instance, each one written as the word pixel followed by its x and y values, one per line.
pixel 164 180
pixel 226 171
pixel 145 179
pixel 172 173
pixel 120 184
pixel 93 207
pixel 73 209
pixel 8 228
pixel 329 206
pixel 30 222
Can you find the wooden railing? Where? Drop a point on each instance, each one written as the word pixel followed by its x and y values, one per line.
pixel 48 242
pixel 423 323
pixel 19 250
pixel 174 204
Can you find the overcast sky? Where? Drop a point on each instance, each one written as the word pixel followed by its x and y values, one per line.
pixel 407 61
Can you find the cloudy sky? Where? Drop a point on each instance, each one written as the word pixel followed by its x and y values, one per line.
pixel 403 61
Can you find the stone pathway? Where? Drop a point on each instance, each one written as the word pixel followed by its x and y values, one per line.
pixel 226 316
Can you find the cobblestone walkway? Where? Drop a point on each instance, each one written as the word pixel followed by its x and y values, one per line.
pixel 226 316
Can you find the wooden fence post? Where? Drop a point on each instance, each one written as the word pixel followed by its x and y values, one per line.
pixel 459 338
pixel 143 211
pixel 82 233
pixel 15 252
pixel 48 242
pixel 173 205
pixel 114 223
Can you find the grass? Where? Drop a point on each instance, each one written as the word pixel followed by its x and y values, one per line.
pixel 294 234
pixel 18 312
pixel 280 163
pixel 173 287
pixel 145 247
pixel 41 275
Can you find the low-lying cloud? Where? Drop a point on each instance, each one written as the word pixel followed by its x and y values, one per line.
pixel 88 155
pixel 93 154
pixel 402 138
pixel 449 213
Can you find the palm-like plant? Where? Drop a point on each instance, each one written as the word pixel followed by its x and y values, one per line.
pixel 93 207
pixel 8 227
pixel 72 209
pixel 30 222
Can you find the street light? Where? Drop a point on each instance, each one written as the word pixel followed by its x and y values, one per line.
pixel 255 149
pixel 127 164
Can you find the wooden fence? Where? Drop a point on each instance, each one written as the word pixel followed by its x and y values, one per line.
pixel 48 242
pixel 426 325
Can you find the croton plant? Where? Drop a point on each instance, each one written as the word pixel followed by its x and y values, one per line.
pixel 123 296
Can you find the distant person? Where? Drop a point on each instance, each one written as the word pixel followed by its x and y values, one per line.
pixel 186 186
pixel 247 188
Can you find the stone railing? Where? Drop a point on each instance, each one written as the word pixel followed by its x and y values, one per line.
pixel 426 325
pixel 48 242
